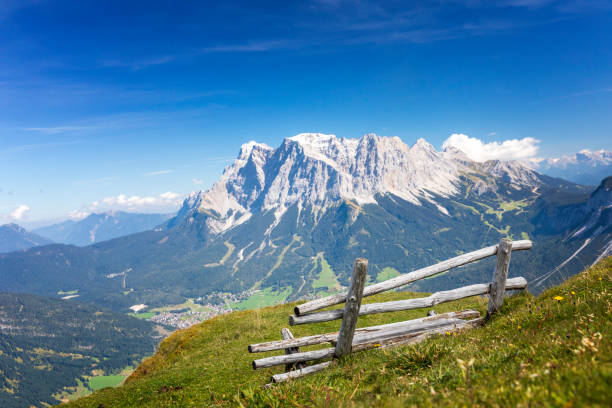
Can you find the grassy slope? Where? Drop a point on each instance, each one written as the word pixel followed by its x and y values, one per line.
pixel 537 352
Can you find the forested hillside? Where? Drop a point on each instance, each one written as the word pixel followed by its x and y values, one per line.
pixel 48 346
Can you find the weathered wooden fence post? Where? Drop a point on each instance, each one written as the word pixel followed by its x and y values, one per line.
pixel 351 308
pixel 498 286
pixel 287 335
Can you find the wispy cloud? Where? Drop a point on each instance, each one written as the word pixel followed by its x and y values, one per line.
pixel 37 146
pixel 57 129
pixel 592 92
pixel 159 172
pixel 254 46
pixel 197 181
pixel 603 90
pixel 139 64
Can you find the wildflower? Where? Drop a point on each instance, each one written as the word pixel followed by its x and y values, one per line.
pixel 558 298
pixel 588 343
pixel 519 327
pixel 448 333
pixel 377 345
pixel 573 293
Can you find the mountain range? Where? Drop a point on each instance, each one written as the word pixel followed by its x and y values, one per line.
pixel 286 223
pixel 15 238
pixel 97 227
pixel 585 167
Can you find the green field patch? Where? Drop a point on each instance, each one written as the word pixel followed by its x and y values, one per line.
pixel 327 277
pixel 512 205
pixel 504 206
pixel 103 381
pixel 466 207
pixel 501 231
pixel 388 272
pixel 189 304
pixel 144 315
pixel 262 298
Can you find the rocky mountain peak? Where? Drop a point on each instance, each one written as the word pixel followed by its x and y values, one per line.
pixel 317 170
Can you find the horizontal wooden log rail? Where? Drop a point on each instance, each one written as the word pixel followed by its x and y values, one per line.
pixel 359 345
pixel 390 332
pixel 293 358
pixel 398 305
pixel 416 337
pixel 331 337
pixel 407 278
pixel 277 378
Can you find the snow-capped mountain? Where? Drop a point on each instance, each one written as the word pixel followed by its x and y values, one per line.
pixel 318 170
pixel 585 167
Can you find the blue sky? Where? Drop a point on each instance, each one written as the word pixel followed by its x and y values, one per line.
pixel 115 99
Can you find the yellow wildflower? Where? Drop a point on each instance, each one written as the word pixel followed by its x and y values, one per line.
pixel 558 298
pixel 573 293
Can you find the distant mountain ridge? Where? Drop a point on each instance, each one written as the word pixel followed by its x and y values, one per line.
pixel 16 238
pixel 585 167
pixel 290 221
pixel 98 227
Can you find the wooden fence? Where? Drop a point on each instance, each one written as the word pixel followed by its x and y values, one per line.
pixel 349 339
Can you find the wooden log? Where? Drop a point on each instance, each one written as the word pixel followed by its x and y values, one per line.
pixel 498 286
pixel 351 308
pixel 394 306
pixel 331 337
pixel 287 335
pixel 277 378
pixel 366 337
pixel 298 342
pixel 407 278
pixel 416 337
pixel 293 358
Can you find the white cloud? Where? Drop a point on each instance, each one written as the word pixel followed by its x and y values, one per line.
pixel 77 215
pixel 158 173
pixel 477 150
pixel 197 181
pixel 169 195
pixel 165 202
pixel 137 202
pixel 20 212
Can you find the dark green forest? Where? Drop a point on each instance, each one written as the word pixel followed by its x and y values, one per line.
pixel 47 344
